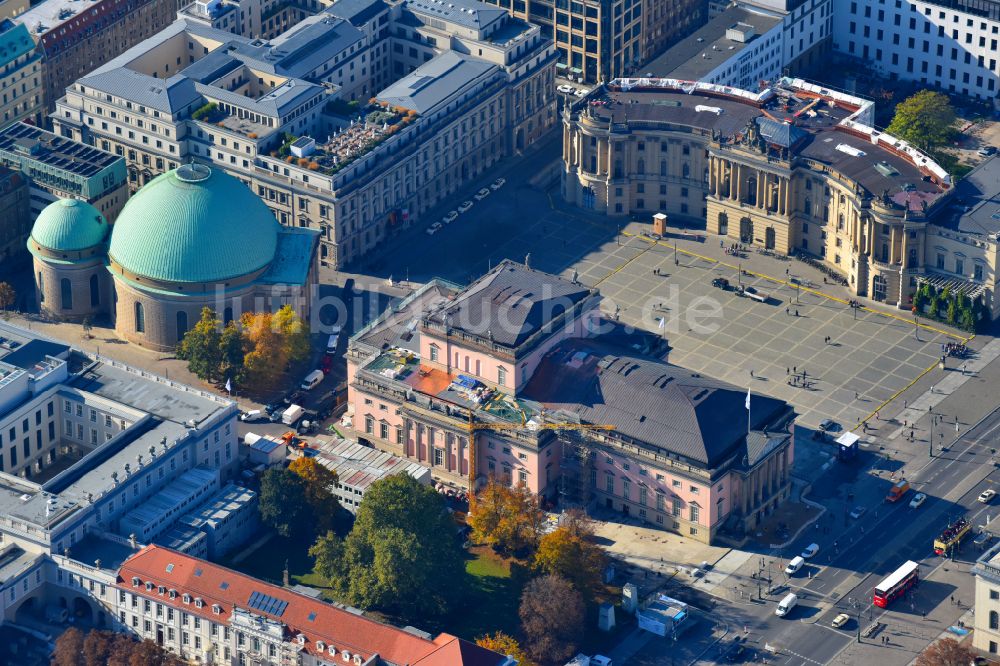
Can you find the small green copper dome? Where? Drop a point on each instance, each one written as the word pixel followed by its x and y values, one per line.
pixel 69 225
pixel 194 224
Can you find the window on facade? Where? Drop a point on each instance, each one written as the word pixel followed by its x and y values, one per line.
pixel 66 294
pixel 95 291
pixel 501 375
pixel 695 513
pixel 182 324
pixel 369 425
pixel 140 319
pixel 994 620
pixel 434 352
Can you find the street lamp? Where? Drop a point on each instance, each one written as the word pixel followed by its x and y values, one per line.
pixel 930 444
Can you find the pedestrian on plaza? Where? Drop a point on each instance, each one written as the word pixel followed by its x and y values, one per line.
pixel 953 600
pixel 751 373
pixel 795 369
pixel 796 313
pixel 787 372
pixel 786 310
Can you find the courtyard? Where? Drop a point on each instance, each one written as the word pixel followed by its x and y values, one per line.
pixel 793 346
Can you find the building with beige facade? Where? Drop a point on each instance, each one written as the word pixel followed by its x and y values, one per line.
pixel 793 168
pixel 517 377
pixel 354 122
pixel 20 75
pixel 986 571
pixel 598 40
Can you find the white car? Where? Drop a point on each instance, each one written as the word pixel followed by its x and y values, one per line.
pixel 434 228
pixel 450 217
pixel 565 89
pixel 917 500
pixel 987 496
pixel 580 92
pixel 810 550
pixel 482 194
pixel 498 183
pixel 464 206
pixel 840 620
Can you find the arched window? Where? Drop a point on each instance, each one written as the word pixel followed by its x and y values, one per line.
pixel 95 291
pixel 808 206
pixel 182 324
pixel 41 288
pixel 723 224
pixel 227 316
pixel 994 620
pixel 66 293
pixel 140 318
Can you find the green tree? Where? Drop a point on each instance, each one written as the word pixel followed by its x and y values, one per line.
pixel 400 557
pixel 294 334
pixel 7 297
pixel 200 346
pixel 282 502
pixel 231 351
pixel 504 517
pixel 318 483
pixel 925 120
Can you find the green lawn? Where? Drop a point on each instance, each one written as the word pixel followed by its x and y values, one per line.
pixel 494 593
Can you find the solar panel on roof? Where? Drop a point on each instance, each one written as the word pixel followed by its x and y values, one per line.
pixel 267 604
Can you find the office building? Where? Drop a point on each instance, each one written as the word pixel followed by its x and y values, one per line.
pixel 947 45
pixel 15 219
pixel 76 36
pixel 598 40
pixel 20 75
pixel 351 130
pixel 506 379
pixel 59 168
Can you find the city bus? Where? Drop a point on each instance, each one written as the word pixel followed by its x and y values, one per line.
pixel 896 584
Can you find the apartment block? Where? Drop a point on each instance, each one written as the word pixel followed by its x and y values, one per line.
pixel 354 122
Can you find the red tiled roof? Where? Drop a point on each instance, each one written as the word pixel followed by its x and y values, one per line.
pixel 315 619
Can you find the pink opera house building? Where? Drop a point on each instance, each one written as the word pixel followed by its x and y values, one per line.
pixel 505 376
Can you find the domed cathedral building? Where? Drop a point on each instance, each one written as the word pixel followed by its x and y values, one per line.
pixel 191 238
pixel 792 168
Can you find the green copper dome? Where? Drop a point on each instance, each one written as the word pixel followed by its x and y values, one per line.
pixel 194 224
pixel 69 225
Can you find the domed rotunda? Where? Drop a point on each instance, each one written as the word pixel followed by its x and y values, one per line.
pixel 191 238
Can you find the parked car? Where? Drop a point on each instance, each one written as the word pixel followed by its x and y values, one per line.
pixel 498 183
pixel 917 500
pixel 986 151
pixel 840 620
pixel 581 92
pixel 810 550
pixel 434 228
pixel 565 89
pixel 254 416
pixel 721 283
pixel 987 496
pixel 827 425
pixel 858 511
pixel 465 206
pixel 450 217
pixel 482 194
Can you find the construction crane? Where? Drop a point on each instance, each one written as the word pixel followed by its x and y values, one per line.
pixel 472 426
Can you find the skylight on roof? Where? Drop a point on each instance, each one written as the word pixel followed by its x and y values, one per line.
pixel 224 585
pixel 197 572
pixel 170 567
pixel 312 616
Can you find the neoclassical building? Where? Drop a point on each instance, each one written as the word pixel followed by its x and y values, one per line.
pixel 194 237
pixel 793 168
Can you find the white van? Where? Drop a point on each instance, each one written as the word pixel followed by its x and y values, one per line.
pixel 786 605
pixel 312 380
pixel 333 341
pixel 794 565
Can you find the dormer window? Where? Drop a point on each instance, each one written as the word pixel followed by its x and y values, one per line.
pixel 357 660
pixel 149 586
pixel 160 589
pixel 135 581
pixel 173 594
pixel 198 603
pixel 332 650
pixel 186 598
pixel 345 655
pixel 320 645
pixel 217 609
pixel 301 639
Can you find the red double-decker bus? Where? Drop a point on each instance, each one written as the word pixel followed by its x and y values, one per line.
pixel 896 584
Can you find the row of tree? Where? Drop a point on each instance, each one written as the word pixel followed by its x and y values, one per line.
pixel 107 648
pixel 254 351
pixel 569 566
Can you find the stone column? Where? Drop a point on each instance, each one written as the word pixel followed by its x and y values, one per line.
pixel 761 188
pixel 788 194
pixel 903 248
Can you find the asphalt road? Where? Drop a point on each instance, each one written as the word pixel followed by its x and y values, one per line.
pixel 897 534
